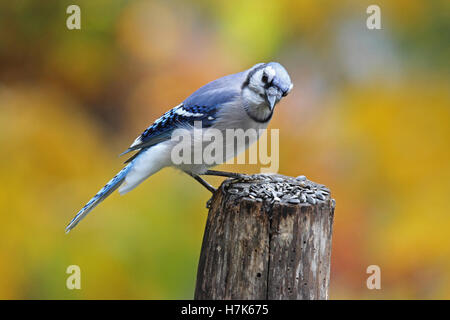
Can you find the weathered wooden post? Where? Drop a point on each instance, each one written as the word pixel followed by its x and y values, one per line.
pixel 267 237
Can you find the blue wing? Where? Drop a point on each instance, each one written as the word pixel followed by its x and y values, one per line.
pixel 200 106
pixel 178 117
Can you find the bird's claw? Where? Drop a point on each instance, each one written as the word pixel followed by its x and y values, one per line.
pixel 208 203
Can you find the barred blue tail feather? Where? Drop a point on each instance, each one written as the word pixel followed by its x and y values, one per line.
pixel 109 188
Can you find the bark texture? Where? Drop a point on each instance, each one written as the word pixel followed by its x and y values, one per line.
pixel 267 237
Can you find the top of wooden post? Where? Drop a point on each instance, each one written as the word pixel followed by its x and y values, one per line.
pixel 271 188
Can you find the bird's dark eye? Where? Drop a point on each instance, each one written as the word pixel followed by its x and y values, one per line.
pixel 264 78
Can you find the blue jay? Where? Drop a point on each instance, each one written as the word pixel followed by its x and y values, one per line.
pixel 244 100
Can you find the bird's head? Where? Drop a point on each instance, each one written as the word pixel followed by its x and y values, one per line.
pixel 268 83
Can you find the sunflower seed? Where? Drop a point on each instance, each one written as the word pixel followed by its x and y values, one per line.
pixel 311 200
pixel 320 196
pixel 302 184
pixel 303 197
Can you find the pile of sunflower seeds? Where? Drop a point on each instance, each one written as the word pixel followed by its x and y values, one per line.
pixel 278 188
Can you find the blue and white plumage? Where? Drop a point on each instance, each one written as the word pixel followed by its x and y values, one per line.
pixel 244 100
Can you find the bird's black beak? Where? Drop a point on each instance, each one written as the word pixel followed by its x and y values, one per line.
pixel 273 95
pixel 272 100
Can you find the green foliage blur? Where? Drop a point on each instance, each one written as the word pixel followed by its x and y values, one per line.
pixel 368 116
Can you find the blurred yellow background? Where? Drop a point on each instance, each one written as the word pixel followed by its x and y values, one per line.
pixel 368 116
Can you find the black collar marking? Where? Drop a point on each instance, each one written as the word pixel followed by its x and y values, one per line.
pixel 245 84
pixel 259 120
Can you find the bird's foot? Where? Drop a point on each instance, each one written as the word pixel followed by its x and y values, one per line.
pixel 208 203
pixel 209 187
pixel 225 174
